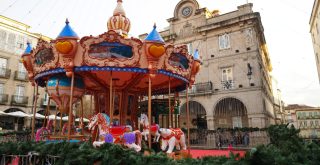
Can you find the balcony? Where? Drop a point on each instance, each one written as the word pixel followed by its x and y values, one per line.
pixel 199 88
pixel 44 102
pixel 22 76
pixel 5 73
pixel 19 100
pixel 3 98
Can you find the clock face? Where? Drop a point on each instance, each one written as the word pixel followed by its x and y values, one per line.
pixel 186 11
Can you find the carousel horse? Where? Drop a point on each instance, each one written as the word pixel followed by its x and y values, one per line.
pixel 172 137
pixel 153 129
pixel 114 134
pixel 43 132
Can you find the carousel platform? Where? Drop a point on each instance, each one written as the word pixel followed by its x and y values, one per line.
pixel 197 153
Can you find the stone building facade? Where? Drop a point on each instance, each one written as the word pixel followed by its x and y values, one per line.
pixel 315 32
pixel 16 92
pixel 233 88
pixel 305 118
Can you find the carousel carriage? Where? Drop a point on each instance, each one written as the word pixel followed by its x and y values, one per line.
pixel 117 71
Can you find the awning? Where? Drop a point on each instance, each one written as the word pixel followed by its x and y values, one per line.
pixel 18 114
pixel 84 120
pixel 53 117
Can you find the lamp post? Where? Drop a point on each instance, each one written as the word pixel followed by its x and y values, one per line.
pixel 249 74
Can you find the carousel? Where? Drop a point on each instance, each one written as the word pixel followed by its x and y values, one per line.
pixel 117 72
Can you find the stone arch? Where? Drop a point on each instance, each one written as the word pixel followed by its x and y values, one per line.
pixel 12 122
pixel 13 110
pixel 181 3
pixel 198 115
pixel 230 112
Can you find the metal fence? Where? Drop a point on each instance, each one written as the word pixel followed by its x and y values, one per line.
pixel 222 139
pixel 30 159
pixel 15 138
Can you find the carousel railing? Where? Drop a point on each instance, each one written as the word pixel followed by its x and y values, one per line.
pixel 201 138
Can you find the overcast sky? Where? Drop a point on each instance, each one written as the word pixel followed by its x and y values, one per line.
pixel 286 25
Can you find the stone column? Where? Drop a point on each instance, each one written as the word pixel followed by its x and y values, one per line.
pixel 210 122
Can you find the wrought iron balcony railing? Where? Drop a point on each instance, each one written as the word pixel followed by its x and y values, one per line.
pixel 5 73
pixel 23 76
pixel 227 84
pixel 19 100
pixel 199 88
pixel 3 98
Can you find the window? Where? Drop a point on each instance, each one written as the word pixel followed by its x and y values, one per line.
pixel 20 90
pixel 227 78
pixel 227 74
pixel 300 124
pixel 224 41
pixel 248 36
pixel 311 123
pixel 3 66
pixel 3 39
pixel 21 71
pixel 190 48
pixel 11 41
pixel 19 93
pixel 1 89
pixel 305 123
pixel 20 42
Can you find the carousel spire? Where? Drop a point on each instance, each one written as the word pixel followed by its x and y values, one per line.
pixel 67 32
pixel 119 9
pixel 154 35
pixel 119 22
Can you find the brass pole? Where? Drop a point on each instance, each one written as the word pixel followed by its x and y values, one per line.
pixel 91 104
pixel 188 117
pixel 169 103
pixel 34 111
pixel 60 123
pixel 55 121
pixel 81 123
pixel 46 113
pixel 111 100
pixel 149 111
pixel 70 107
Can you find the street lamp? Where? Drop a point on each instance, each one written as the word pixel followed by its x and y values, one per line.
pixel 249 74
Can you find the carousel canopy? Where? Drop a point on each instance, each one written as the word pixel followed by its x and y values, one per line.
pixel 112 58
pixel 67 31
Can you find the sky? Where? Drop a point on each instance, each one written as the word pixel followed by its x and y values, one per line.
pixel 286 27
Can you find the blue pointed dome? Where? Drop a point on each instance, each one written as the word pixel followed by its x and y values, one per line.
pixel 68 32
pixel 154 36
pixel 196 54
pixel 28 49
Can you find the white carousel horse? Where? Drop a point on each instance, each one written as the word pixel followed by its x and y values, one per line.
pixel 114 134
pixel 43 132
pixel 153 129
pixel 172 137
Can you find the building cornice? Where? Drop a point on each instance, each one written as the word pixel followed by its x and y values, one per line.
pixel 35 35
pixel 314 12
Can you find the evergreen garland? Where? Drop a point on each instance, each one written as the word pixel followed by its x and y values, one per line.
pixel 286 147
